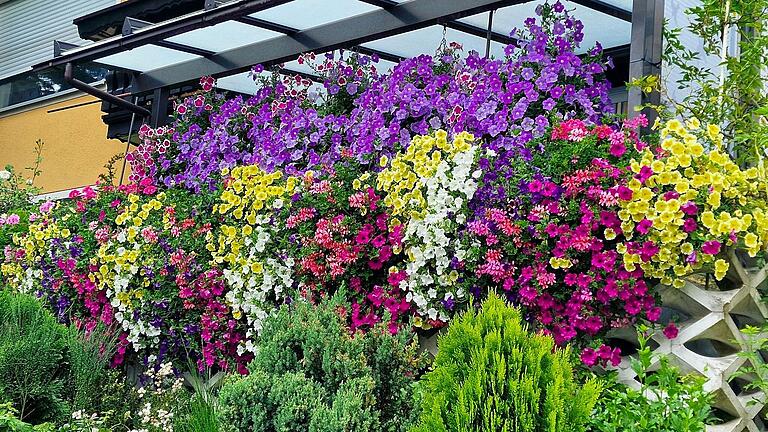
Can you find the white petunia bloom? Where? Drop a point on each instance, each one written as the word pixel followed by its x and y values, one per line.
pixel 431 241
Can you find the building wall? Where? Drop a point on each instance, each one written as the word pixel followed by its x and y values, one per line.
pixel 76 147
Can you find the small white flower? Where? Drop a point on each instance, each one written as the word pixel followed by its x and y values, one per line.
pixel 5 175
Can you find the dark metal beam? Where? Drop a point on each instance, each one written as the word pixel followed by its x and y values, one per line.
pixel 480 32
pixel 257 22
pixel 160 107
pixel 381 3
pixel 185 48
pixel 456 25
pixel 606 8
pixel 394 58
pixel 60 47
pixel 309 76
pixel 645 52
pixel 101 94
pixel 131 25
pixel 179 26
pixel 404 17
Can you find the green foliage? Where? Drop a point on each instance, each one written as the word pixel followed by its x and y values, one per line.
pixel 118 400
pixel 32 369
pixel 311 374
pixel 199 415
pixel 9 422
pixel 491 374
pixel 16 191
pixel 755 369
pixel 48 370
pixel 666 401
pixel 739 100
pixel 89 356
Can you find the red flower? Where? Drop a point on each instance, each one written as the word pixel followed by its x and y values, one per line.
pixel 670 331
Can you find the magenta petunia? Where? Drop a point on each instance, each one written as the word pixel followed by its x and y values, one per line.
pixel 711 247
pixel 670 331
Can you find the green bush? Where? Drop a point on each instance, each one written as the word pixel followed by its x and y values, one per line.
pixel 46 369
pixel 666 401
pixel 491 374
pixel 33 372
pixel 312 374
pixel 89 355
pixel 9 421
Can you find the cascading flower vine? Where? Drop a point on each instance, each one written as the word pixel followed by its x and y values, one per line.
pixel 258 272
pixel 429 186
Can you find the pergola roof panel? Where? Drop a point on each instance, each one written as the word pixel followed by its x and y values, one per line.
pixel 146 58
pixel 608 30
pixel 304 14
pixel 428 40
pixel 224 36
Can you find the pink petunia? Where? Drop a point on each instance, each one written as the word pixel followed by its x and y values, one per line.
pixel 670 331
pixel 689 208
pixel 589 357
pixel 711 247
pixel 690 225
pixel 644 226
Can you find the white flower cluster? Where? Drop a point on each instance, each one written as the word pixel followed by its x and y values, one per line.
pixel 259 282
pixel 259 297
pixel 118 277
pixel 160 395
pixel 432 241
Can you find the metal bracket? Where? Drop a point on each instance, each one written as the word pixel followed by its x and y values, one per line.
pixel 101 94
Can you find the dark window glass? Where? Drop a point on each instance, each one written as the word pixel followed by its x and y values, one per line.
pixel 33 85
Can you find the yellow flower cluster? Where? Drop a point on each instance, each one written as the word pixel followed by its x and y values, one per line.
pixel 135 215
pixel 692 195
pixel 35 242
pixel 121 259
pixel 401 177
pixel 249 193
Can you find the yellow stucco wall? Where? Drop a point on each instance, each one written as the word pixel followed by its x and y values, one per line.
pixel 76 147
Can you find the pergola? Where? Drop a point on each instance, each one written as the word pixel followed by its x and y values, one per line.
pixel 226 38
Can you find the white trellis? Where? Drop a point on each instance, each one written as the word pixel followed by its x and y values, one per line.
pixel 709 339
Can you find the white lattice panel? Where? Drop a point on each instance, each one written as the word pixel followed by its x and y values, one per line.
pixel 710 315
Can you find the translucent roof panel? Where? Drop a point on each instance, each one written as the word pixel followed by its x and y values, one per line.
pixel 146 58
pixel 609 31
pixel 242 83
pixel 427 40
pixel 304 14
pixel 623 4
pixel 224 36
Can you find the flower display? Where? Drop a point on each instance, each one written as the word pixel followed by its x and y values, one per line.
pixel 257 271
pixel 155 269
pixel 504 103
pixel 552 249
pixel 429 186
pixel 687 202
pixel 410 195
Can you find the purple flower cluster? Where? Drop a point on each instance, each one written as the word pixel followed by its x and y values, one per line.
pixel 504 103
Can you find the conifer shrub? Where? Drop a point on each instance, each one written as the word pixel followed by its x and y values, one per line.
pixel 312 373
pixel 491 374
pixel 33 371
pixel 47 370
